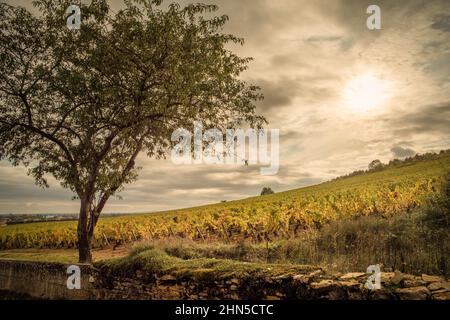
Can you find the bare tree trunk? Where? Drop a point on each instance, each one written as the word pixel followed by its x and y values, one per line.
pixel 84 241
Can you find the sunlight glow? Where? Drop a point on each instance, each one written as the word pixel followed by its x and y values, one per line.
pixel 366 92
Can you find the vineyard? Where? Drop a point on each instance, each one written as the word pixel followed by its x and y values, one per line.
pixel 282 215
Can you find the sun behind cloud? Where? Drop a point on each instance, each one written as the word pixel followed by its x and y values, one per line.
pixel 366 92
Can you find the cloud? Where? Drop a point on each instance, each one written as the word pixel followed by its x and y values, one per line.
pixel 433 118
pixel 277 93
pixel 441 22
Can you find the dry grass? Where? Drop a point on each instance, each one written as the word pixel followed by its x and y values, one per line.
pixel 61 255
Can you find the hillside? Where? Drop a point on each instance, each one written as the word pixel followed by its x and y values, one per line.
pixel 283 215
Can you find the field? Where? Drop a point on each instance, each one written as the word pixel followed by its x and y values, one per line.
pixel 279 216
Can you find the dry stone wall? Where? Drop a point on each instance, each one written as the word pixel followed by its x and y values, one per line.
pixel 48 281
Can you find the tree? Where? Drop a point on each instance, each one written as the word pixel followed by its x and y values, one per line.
pixel 267 190
pixel 375 165
pixel 81 105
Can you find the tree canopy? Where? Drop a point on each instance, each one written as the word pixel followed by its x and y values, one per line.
pixel 80 105
pixel 266 190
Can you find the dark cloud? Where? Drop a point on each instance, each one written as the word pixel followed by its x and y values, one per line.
pixel 17 191
pixel 441 22
pixel 400 152
pixel 277 93
pixel 282 92
pixel 428 119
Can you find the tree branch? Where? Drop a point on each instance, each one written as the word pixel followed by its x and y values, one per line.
pixel 64 117
pixel 95 212
pixel 44 135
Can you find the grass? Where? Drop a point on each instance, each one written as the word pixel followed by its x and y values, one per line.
pixel 153 261
pixel 404 243
pixel 42 255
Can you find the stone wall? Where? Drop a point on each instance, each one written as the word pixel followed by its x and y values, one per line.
pixel 313 285
pixel 43 280
pixel 48 281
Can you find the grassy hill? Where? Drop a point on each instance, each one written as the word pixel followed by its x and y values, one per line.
pixel 282 215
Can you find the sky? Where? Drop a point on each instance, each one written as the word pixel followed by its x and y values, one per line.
pixel 340 94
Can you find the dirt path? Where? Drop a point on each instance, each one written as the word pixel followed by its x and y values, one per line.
pixel 61 255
